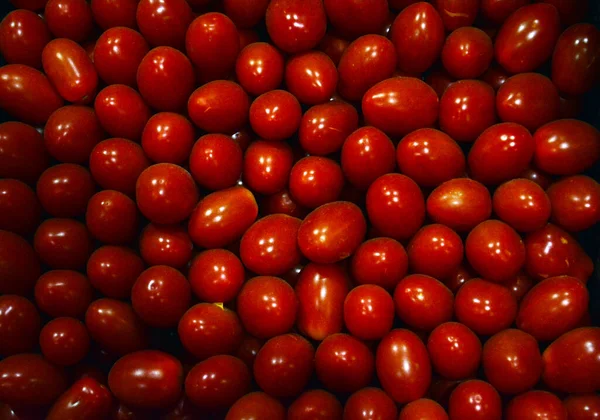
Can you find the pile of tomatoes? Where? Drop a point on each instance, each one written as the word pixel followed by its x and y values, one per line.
pixel 301 209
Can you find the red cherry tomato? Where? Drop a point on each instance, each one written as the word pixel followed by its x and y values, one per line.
pixel 216 275
pixel 575 202
pixel 315 181
pixel 257 404
pixel 370 403
pixel 455 350
pixel 222 217
pixel 527 38
pixel 19 323
pixel 86 398
pixel 63 243
pixel 64 190
pixel 423 407
pixel 70 19
pixel 468 52
pixel 435 250
pixel 379 261
pixel 582 407
pixel 498 10
pixel 219 107
pixel 245 13
pixel 512 361
pixel 474 400
pixel 113 270
pixel 334 46
pixel 217 382
pixel 112 217
pixel 459 277
pixel 147 379
pixel 115 327
pixel 118 53
pixel 168 138
pixel 122 111
pixel 284 365
pixel 395 206
pixel 275 115
pixel 259 68
pixel 20 210
pixel 311 77
pixel 457 13
pixel 522 204
pixel 216 161
pixel 324 128
pixel 23 36
pixel 27 94
pixel 389 107
pixel 296 25
pixel 368 312
pixel 22 152
pixel 267 306
pixel 63 293
pixel 315 405
pixel 534 405
pixel 109 14
pixel 19 264
pixel 332 232
pixel 64 341
pixel 418 35
pixel 164 22
pixel 353 18
pixel 165 245
pixel 485 307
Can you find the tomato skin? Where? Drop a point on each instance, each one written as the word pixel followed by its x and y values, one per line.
pixel 23 36
pixel 63 293
pixel 70 19
pixel 475 400
pixel 86 398
pixel 109 13
pixel 19 325
pixel 535 405
pixel 370 403
pixel 118 53
pixel 164 22
pixel 315 405
pixel 64 341
pixel 122 111
pixel 416 410
pixel 27 94
pixel 256 405
pixel 582 407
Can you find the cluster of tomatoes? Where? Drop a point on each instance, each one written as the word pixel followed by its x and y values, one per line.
pixel 302 209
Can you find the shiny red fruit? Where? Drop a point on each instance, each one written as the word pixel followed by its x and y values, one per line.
pixel 395 206
pixel 367 154
pixel 160 296
pixel 222 217
pixel 275 115
pixel 485 307
pixel 245 13
pixel 575 202
pixel 467 108
pixel 166 193
pixel 334 46
pixel 22 152
pixel 63 243
pixel 498 10
pixel 19 325
pixel 315 181
pixel 566 147
pixel 467 52
pixel 212 43
pixel 379 261
pixel 582 407
pixel 435 250
pixel 267 166
pixel 403 366
pixel 529 99
pixel 164 22
pixel 576 59
pixel 118 53
pixel 324 128
pixel 122 112
pixel 112 217
pixel 400 105
pixel 259 68
pixel 457 13
pixel 332 232
pixel 217 382
pixel 86 398
pixel 296 25
pixel 257 404
pixel 512 361
pixel 216 161
pixel 284 365
pixel 20 209
pixel 112 270
pixel 65 189
pixel 321 290
pixel 535 405
pixel 216 275
pixel 370 404
pixel 454 350
pixel 19 264
pixel 168 137
pixel 207 330
pixel 70 19
pixel 109 13
pixel 311 77
pixel 165 245
pixel 115 327
pixel 63 293
pixel 522 204
pixel 220 106
pixel 527 38
pixel 267 306
pixel 64 341
pixel 418 35
pixel 23 36
pixel 30 380
pixel 423 408
pixel 147 379
pixel 368 312
pixel 475 400
pixel 352 18
pixel 315 405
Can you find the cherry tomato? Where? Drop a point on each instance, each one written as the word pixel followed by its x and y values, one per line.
pixel 63 243
pixel 423 407
pixel 332 232
pixel 118 54
pixel 315 405
pixel 86 398
pixel 467 52
pixel 165 245
pixel 296 25
pixel 534 405
pixel 248 350
pixel 164 22
pixel 30 380
pixel 370 404
pixel 70 19
pixel 112 217
pixel 435 250
pixel 353 18
pixel 109 13
pixel 344 363
pixel 23 36
pixel 216 161
pixel 64 341
pixel 63 293
pixel 457 13
pixel 257 404
pixel 222 217
pixel 122 111
pixel 19 264
pixel 474 400
pixel 220 106
pixel 324 128
pixel 527 38
pixel 498 10
pixel 495 76
pixel 284 365
pixel 334 46
pixel 311 77
pixel 168 138
pixel 115 326
pixel 575 202
pixel 147 379
pixel 512 361
pixel 113 270
pixel 379 261
pixel 522 204
pixel 117 163
pixel 455 350
pixel 267 306
pixel 64 190
pixel 26 94
pixel 582 407
pixel 216 275
pixel 275 115
pixel 529 99
pixel 395 206
pixel 282 202
pixel 368 312
pixel 160 296
pixel 403 366
pixel 315 181
pixel 388 106
pixel 485 307
pixel 259 68
pixel 165 79
pixel 22 152
pixel 418 35
pixel 367 154
pixel 217 382
pixel 207 330
pixel 20 210
pixel 166 193
pixel 245 13
pixel 19 323
pixel 212 43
